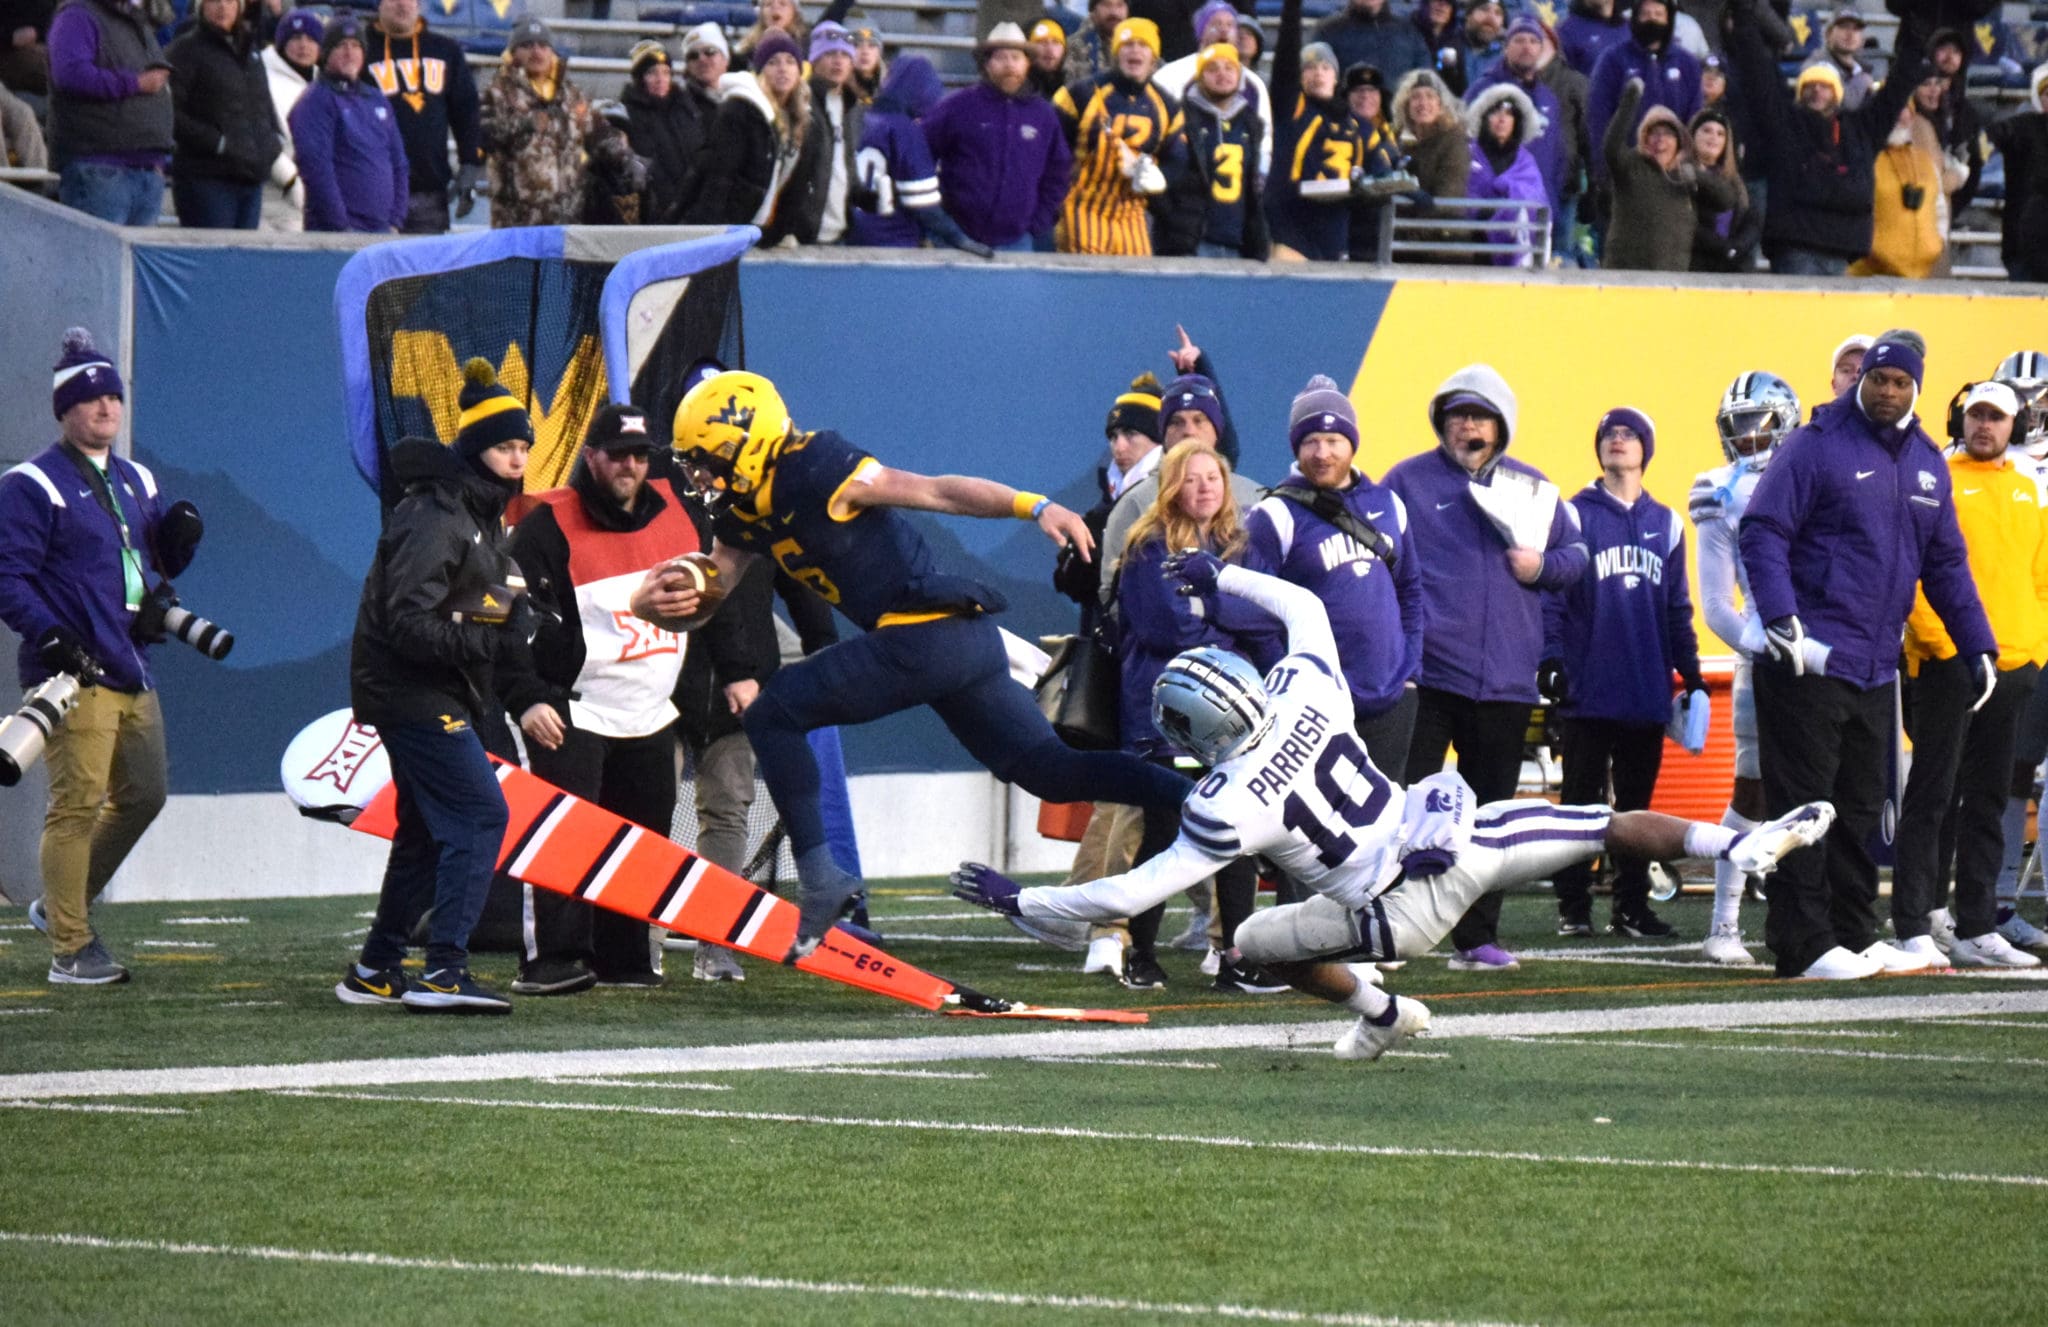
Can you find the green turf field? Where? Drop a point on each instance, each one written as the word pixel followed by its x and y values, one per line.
pixel 1620 1134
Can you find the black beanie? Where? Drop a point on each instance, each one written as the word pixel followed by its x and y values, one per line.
pixel 490 414
pixel 1137 409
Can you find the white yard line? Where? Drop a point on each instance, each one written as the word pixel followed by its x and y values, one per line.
pixel 177 944
pixel 1984 1023
pixel 978 915
pixel 2002 1061
pixel 1123 1059
pixel 894 936
pixel 93 1107
pixel 888 1073
pixel 1007 1042
pixel 1095 1304
pixel 997 1129
pixel 669 1086
pixel 251 1004
pixel 206 921
pixel 17 1013
pixel 1807 1032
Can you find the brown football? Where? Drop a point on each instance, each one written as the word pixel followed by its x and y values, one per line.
pixel 700 572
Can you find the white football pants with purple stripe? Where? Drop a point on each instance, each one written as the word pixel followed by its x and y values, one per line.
pixel 1512 843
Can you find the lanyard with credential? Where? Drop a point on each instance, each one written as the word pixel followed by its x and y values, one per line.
pixel 102 491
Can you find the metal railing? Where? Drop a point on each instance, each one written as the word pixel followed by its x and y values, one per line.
pixel 1475 217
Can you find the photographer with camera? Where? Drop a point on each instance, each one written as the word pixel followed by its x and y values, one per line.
pixel 442 594
pixel 82 534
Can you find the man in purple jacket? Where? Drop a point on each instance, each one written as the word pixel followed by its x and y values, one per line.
pixel 1853 512
pixel 1611 644
pixel 1330 529
pixel 110 111
pixel 1482 600
pixel 351 155
pixel 1003 159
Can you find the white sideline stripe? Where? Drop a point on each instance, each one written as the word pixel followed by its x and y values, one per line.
pixel 177 944
pixel 215 921
pixel 1005 1043
pixel 94 1107
pixel 250 1004
pixel 893 937
pixel 1197 1140
pixel 978 915
pixel 540 837
pixel 17 1013
pixel 714 1281
pixel 1120 1059
pixel 888 1073
pixel 1786 1050
pixel 611 863
pixel 639 1082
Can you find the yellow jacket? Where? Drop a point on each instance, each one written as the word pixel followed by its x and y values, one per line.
pixel 1998 507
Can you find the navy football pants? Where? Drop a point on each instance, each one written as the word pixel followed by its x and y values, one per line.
pixel 957 666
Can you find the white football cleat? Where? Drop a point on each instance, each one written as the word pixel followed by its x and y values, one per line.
pixel 1212 962
pixel 1760 850
pixel 1928 948
pixel 1942 927
pixel 1105 954
pixel 1990 950
pixel 1366 1040
pixel 1840 964
pixel 1724 945
pixel 1890 959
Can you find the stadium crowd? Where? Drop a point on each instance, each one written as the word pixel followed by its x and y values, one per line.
pixel 1664 137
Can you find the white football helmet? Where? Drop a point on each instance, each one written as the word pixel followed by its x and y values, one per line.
pixel 1756 413
pixel 1210 703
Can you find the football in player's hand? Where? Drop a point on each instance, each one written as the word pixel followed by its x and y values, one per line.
pixel 693 571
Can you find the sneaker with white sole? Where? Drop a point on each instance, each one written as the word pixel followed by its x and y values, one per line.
pixel 1724 945
pixel 2020 932
pixel 1486 958
pixel 91 965
pixel 384 986
pixel 1941 927
pixel 1212 962
pixel 1840 964
pixel 452 991
pixel 1760 850
pixel 716 963
pixel 1990 950
pixel 1895 960
pixel 1105 955
pixel 1195 938
pixel 1925 947
pixel 1367 1040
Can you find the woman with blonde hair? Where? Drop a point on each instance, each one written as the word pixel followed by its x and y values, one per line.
pixel 774 16
pixel 759 162
pixel 1194 508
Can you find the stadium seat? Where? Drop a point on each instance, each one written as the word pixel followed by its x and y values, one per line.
pixel 690 15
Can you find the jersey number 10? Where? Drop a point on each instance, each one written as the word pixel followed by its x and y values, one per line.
pixel 1333 846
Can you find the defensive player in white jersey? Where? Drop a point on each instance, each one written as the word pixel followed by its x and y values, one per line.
pixel 1392 869
pixel 1756 413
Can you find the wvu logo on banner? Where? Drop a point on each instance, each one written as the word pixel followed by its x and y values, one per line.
pixel 424 365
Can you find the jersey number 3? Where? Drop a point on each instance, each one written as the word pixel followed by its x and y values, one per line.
pixel 1333 846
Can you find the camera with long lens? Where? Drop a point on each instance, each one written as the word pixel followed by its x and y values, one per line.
pixel 160 616
pixel 24 732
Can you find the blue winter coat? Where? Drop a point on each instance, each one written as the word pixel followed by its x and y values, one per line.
pixel 1484 634
pixel 350 156
pixel 1671 80
pixel 60 560
pixel 1157 622
pixel 1624 627
pixel 1847 519
pixel 1376 612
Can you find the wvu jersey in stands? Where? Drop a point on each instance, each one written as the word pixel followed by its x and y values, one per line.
pixel 1110 119
pixel 1216 200
pixel 1316 145
pixel 870 562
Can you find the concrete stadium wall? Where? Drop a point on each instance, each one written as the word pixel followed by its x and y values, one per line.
pixel 935 364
